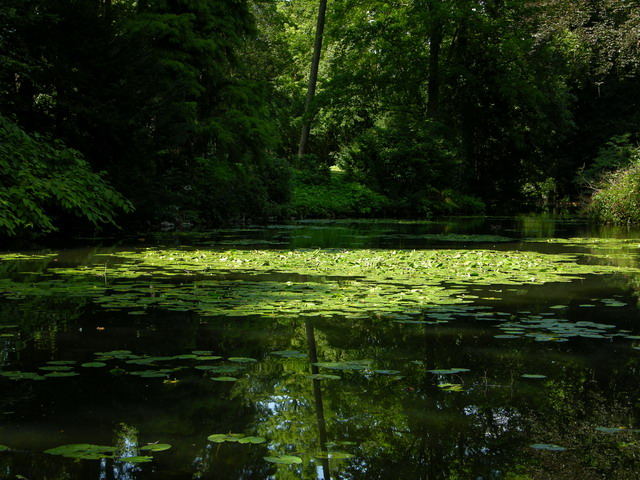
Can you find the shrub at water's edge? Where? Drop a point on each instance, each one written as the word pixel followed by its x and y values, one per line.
pixel 333 196
pixel 616 198
pixel 42 179
pixel 336 195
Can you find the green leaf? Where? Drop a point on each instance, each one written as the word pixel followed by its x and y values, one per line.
pixel 156 447
pixel 225 437
pixel 284 460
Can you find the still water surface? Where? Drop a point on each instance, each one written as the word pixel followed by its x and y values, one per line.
pixel 447 391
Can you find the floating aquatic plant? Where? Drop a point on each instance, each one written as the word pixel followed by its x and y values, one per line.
pixel 156 447
pixel 321 282
pixel 284 459
pixel 224 379
pixel 449 371
pixel 551 447
pixel 83 451
pixel 235 438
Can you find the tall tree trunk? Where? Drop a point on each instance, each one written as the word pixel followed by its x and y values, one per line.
pixel 313 79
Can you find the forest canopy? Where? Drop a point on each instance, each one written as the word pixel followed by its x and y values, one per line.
pixel 189 112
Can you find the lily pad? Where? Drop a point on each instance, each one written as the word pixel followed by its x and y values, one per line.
pixel 225 437
pixel 83 451
pixel 284 460
pixel 242 360
pixel 94 365
pixel 324 376
pixel 156 447
pixel 252 440
pixel 551 447
pixel 449 371
pixel 61 374
pixel 186 356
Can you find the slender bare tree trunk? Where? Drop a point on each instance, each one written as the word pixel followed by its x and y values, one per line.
pixel 313 79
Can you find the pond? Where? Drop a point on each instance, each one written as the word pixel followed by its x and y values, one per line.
pixel 468 348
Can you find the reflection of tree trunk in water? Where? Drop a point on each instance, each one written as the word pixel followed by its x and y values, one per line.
pixel 317 396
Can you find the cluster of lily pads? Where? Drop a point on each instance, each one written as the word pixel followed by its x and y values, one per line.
pixel 541 327
pixel 546 329
pixel 220 372
pixel 552 447
pixel 65 368
pixel 87 451
pixel 350 283
pixel 241 438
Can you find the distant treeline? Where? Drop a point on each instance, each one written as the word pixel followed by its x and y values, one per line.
pixel 188 112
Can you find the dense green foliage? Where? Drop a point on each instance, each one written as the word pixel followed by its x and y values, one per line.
pixel 334 195
pixel 41 178
pixel 152 93
pixel 615 180
pixel 618 198
pixel 193 108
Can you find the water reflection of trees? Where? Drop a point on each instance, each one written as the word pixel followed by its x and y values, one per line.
pixel 406 428
pixel 411 429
